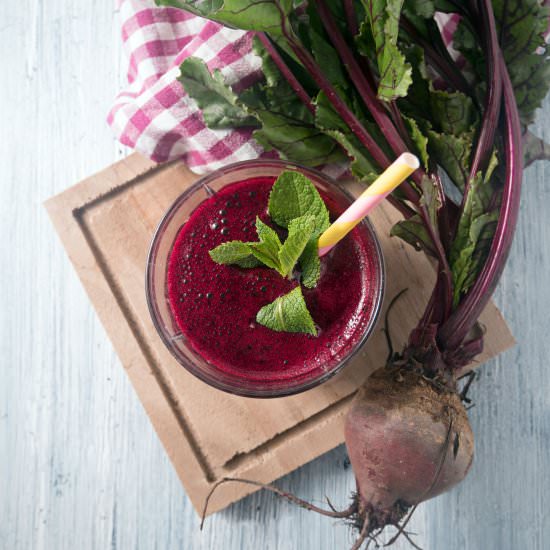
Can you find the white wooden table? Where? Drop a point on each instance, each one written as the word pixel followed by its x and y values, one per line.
pixel 80 465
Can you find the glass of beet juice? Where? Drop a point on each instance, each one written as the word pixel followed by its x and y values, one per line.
pixel 206 312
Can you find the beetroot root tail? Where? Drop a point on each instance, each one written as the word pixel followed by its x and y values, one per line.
pixel 362 535
pixel 338 514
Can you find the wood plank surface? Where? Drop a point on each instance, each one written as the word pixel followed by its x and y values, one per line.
pixel 80 464
pixel 106 224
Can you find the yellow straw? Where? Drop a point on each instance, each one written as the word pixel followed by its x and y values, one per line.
pixel 393 176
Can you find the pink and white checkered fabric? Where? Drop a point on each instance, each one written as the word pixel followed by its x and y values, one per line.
pixel 154 115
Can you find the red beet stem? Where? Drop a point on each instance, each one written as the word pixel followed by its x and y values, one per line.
pixel 485 142
pixel 358 78
pixel 286 72
pixel 351 17
pixel 454 331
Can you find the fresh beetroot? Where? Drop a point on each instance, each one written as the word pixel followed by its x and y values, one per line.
pixel 409 439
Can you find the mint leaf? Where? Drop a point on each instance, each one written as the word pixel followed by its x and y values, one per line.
pixel 310 264
pixel 267 250
pixel 288 313
pixel 294 203
pixel 300 231
pixel 216 100
pixel 263 253
pixel 292 196
pixel 267 234
pixel 251 254
pixel 234 252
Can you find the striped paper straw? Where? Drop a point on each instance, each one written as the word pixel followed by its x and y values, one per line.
pixel 394 175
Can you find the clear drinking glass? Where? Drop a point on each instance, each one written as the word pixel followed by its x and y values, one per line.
pixel 157 268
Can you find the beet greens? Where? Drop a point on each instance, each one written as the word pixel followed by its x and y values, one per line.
pixel 362 81
pixel 368 80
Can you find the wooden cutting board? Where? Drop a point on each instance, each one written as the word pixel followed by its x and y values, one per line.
pixel 106 224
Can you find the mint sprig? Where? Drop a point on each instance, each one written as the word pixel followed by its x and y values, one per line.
pixel 288 313
pixel 295 204
pixel 293 196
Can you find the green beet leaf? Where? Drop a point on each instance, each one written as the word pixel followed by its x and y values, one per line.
pixel 395 73
pixel 414 232
pixel 430 199
pixel 332 125
pixel 288 313
pixel 453 112
pixel 254 15
pixel 419 139
pixel 475 232
pixel 287 126
pixel 295 141
pixel 323 51
pixel 216 100
pixel 522 25
pixel 420 8
pixel 453 154
pixel 283 121
pixel 534 148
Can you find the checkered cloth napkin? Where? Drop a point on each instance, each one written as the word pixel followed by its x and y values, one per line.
pixel 154 115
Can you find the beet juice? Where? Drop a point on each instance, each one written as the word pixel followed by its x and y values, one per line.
pixel 214 306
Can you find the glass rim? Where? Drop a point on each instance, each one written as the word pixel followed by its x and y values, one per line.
pixel 195 370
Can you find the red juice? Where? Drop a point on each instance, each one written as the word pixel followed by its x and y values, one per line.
pixel 215 305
